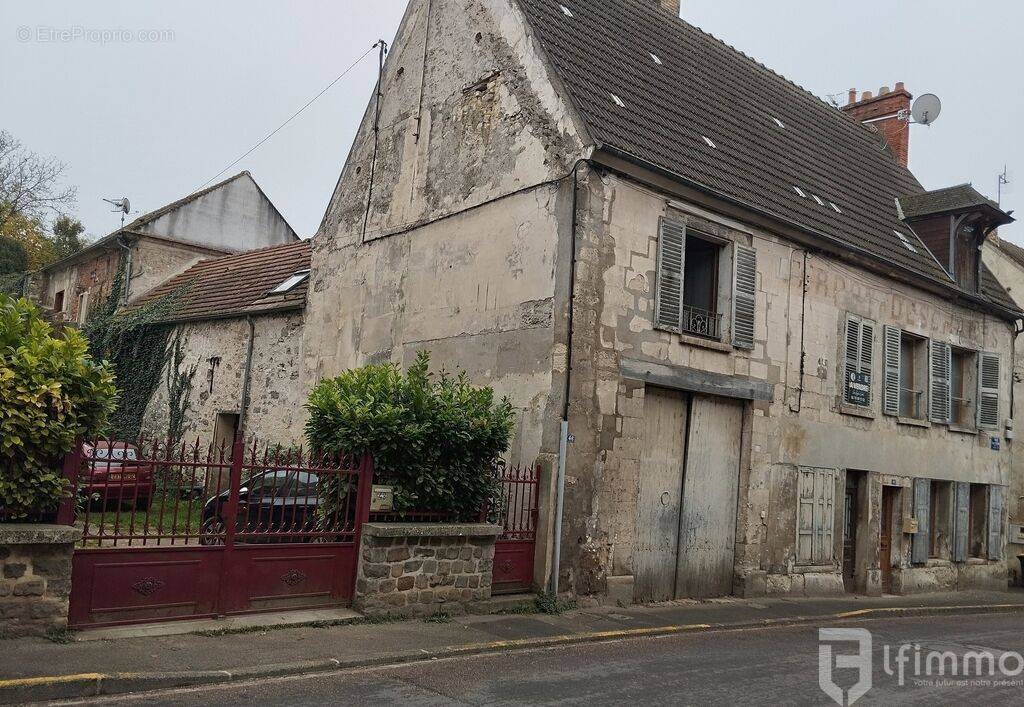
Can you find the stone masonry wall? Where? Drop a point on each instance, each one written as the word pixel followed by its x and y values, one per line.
pixel 35 578
pixel 420 569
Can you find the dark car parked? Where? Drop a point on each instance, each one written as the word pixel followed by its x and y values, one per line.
pixel 270 502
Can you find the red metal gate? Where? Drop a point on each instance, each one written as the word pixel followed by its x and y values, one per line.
pixel 192 532
pixel 516 547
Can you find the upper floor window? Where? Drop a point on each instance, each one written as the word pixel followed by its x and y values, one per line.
pixel 694 284
pixel 947 384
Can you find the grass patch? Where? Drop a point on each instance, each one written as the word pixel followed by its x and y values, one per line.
pixel 547 603
pixel 62 636
pixel 438 617
pixel 167 515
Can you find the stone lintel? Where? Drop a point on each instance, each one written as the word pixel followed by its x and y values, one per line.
pixel 38 534
pixel 431 530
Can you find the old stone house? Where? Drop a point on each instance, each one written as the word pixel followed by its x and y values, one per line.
pixel 1006 261
pixel 781 365
pixel 228 217
pixel 237 345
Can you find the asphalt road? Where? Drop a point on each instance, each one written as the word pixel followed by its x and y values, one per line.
pixel 760 666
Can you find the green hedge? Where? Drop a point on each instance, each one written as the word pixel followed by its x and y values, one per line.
pixel 436 438
pixel 51 393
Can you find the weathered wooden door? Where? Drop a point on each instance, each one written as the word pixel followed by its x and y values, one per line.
pixel 885 537
pixel 850 531
pixel 661 482
pixel 707 527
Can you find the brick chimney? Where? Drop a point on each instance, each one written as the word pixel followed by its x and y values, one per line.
pixel 672 6
pixel 882 112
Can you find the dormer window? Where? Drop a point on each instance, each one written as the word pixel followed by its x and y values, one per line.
pixel 953 223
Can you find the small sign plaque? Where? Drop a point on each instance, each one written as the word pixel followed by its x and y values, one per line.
pixel 382 498
pixel 858 388
pixel 995 444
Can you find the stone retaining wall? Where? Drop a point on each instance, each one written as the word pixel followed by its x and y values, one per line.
pixel 416 569
pixel 35 578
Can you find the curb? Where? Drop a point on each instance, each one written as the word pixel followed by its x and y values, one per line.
pixel 83 685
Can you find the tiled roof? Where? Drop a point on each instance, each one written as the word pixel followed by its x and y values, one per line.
pixel 1013 251
pixel 960 197
pixel 666 94
pixel 237 285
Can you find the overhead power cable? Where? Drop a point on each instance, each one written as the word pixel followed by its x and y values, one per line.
pixel 293 116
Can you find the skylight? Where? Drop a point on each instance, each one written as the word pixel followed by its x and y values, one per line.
pixel 656 58
pixel 818 199
pixel 834 207
pixel 291 283
pixel 566 11
pixel 800 192
pixel 779 123
pixel 905 241
pixel 618 101
pixel 708 141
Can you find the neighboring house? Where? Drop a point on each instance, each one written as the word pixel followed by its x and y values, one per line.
pixel 239 340
pixel 229 217
pixel 782 371
pixel 1006 261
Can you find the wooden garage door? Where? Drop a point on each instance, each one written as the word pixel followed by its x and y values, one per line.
pixel 661 476
pixel 707 527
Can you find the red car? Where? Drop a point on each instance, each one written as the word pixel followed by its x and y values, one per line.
pixel 112 472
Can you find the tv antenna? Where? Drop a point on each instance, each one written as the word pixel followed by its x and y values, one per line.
pixel 121 205
pixel 925 110
pixel 1004 184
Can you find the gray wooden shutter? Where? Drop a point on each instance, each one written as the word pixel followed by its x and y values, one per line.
pixel 668 304
pixel 815 516
pixel 939 366
pixel 961 521
pixel 744 296
pixel 988 391
pixel 891 389
pixel 922 511
pixel 852 353
pixel 996 501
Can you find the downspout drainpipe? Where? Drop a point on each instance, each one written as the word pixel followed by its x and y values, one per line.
pixel 563 437
pixel 243 413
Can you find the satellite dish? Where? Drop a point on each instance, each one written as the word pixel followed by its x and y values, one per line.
pixel 926 109
pixel 121 205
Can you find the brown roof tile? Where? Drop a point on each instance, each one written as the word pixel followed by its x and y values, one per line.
pixel 237 285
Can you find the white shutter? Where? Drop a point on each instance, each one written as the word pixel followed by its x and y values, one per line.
pixel 939 366
pixel 668 305
pixel 961 521
pixel 891 388
pixel 920 548
pixel 995 522
pixel 744 296
pixel 988 391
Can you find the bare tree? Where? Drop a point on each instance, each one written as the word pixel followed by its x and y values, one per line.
pixel 29 183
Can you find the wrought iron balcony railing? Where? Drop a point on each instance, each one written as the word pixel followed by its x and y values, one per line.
pixel 700 322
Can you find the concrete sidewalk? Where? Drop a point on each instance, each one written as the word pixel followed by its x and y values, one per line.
pixel 38 669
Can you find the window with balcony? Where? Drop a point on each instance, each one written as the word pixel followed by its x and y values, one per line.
pixel 700 289
pixel 962 387
pixel 913 376
pixel 701 279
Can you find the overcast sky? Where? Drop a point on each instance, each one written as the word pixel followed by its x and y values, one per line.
pixel 151 99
